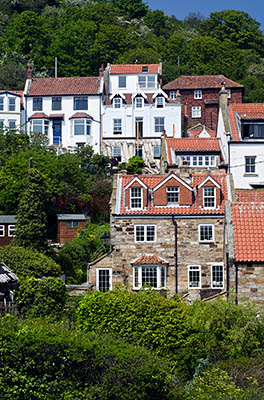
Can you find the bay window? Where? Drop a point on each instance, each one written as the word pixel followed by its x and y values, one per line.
pixel 150 275
pixel 40 126
pixel 82 126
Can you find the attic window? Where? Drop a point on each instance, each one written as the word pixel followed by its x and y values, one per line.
pixel 145 68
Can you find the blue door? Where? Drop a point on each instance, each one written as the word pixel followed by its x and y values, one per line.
pixel 56 131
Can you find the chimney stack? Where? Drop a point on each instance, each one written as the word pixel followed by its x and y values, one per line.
pixel 101 71
pixel 223 94
pixel 29 72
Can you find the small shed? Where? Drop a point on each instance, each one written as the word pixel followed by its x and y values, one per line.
pixel 8 282
pixel 7 227
pixel 68 225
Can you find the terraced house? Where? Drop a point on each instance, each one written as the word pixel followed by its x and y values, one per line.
pixel 167 232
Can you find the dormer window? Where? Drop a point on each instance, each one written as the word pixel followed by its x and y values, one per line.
pixel 139 102
pixel 117 102
pixel 172 194
pixel 136 197
pixel 145 68
pixel 160 102
pixel 198 94
pixel 209 197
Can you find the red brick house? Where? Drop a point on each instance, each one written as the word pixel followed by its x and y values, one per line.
pixel 200 99
pixel 68 225
pixel 7 227
pixel 167 231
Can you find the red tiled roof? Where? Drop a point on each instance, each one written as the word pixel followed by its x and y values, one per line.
pixel 248 227
pixel 200 82
pixel 192 144
pixel 149 259
pixel 54 116
pixel 81 115
pixel 244 111
pixel 153 180
pixel 149 100
pixel 64 86
pixel 249 195
pixel 133 68
pixel 39 115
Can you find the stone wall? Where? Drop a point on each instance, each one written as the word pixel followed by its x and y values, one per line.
pixel 250 282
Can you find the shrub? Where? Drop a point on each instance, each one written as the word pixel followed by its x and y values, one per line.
pixel 25 262
pixel 44 361
pixel 135 165
pixel 41 298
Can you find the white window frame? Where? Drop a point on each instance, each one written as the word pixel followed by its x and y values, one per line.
pixel 117 102
pixel 117 125
pixel 98 275
pixel 80 103
pixel 200 227
pixel 2 230
pixel 173 94
pixel 194 267
pixel 145 233
pixel 11 107
pixel 138 269
pixel 213 285
pixel 136 198
pixel 209 197
pixel 196 112
pixel 147 81
pixel 117 152
pixel 85 123
pixel 159 124
pixel 37 103
pixel 2 103
pixel 160 102
pixel 250 165
pixel 13 121
pixel 198 160
pixel 175 190
pixel 156 151
pixel 43 123
pixel 139 102
pixel 198 94
pixel 11 229
pixel 122 85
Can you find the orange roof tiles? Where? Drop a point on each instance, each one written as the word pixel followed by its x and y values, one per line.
pixel 244 111
pixel 201 82
pixel 153 180
pixel 81 115
pixel 149 259
pixel 133 68
pixel 39 115
pixel 197 130
pixel 248 224
pixel 192 144
pixel 249 195
pixel 64 86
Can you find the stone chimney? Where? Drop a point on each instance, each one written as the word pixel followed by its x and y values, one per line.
pixel 178 97
pixel 29 72
pixel 185 121
pixel 223 94
pixel 163 157
pixel 101 71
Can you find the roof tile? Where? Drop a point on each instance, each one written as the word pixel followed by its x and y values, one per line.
pixel 133 68
pixel 201 82
pixel 64 86
pixel 244 111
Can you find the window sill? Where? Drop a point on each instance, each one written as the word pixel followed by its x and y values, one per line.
pixel 250 174
pixel 206 242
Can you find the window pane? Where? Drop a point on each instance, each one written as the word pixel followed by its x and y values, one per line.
pixel 79 127
pixel 151 81
pixel 209 196
pixel 150 233
pixel 194 276
pixel 149 276
pixel 172 194
pixel 11 104
pixel 217 276
pixel 117 125
pixel 81 103
pixel 159 124
pixel 140 233
pixel 37 104
pixel 135 197
pixel 56 103
pixel 206 233
pixel 104 280
pixel 122 82
pixel 136 283
pixel 1 103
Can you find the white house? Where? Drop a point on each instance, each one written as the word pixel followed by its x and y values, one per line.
pixel 66 110
pixel 11 116
pixel 136 112
pixel 241 130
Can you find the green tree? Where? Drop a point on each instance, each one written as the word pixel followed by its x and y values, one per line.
pixel 135 165
pixel 31 226
pixel 131 8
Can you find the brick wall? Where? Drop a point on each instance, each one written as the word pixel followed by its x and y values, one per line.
pixel 160 195
pixel 66 234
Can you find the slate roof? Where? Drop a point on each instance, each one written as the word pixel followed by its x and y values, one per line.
pixel 133 69
pixel 149 259
pixel 70 217
pixel 201 82
pixel 248 224
pixel 153 180
pixel 244 111
pixel 64 86
pixel 6 275
pixel 8 219
pixel 249 195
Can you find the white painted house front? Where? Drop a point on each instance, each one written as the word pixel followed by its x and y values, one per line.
pixel 136 112
pixel 11 115
pixel 66 110
pixel 241 130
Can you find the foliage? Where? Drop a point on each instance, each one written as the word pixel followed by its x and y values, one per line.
pixel 27 263
pixel 31 231
pixel 41 298
pixel 135 165
pixel 75 255
pixel 44 361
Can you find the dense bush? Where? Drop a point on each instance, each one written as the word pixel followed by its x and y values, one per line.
pixel 41 298
pixel 41 361
pixel 189 336
pixel 26 263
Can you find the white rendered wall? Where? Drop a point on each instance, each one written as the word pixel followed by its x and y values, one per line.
pixel 6 115
pixel 68 138
pixel 222 135
pixel 238 152
pixel 131 83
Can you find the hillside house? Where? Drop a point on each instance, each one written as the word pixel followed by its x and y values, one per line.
pixel 11 110
pixel 7 227
pixel 167 232
pixel 199 97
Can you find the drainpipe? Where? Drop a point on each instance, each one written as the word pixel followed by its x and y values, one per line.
pixel 236 267
pixel 175 253
pixel 227 275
